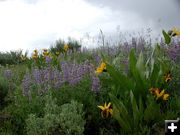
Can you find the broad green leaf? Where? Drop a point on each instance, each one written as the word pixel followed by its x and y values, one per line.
pixel 132 60
pixel 152 108
pixel 140 63
pixel 122 116
pixel 152 65
pixel 119 79
pixel 141 106
pixel 117 60
pixel 120 106
pixel 166 37
pixel 123 122
pixel 136 114
pixel 151 57
pixel 154 75
pixel 141 84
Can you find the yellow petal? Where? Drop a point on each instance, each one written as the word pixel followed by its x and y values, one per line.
pixel 158 95
pixel 111 111
pixel 102 108
pixel 105 105
pixel 165 97
pixel 103 66
pixel 98 71
pixel 157 91
pixel 161 93
pixel 176 31
pixel 109 105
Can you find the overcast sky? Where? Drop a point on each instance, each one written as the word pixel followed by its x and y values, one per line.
pixel 30 24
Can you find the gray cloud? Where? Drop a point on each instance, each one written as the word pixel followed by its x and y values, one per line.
pixel 2 0
pixel 163 13
pixel 178 2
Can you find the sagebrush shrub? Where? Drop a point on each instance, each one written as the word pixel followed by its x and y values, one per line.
pixel 67 119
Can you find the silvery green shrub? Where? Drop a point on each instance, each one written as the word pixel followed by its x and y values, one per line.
pixel 71 118
pixel 65 120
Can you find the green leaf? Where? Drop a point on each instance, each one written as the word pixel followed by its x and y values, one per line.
pixel 137 75
pixel 141 107
pixel 152 112
pixel 132 60
pixel 166 37
pixel 119 79
pixel 136 114
pixel 123 122
pixel 120 113
pixel 140 63
pixel 118 104
pixel 154 75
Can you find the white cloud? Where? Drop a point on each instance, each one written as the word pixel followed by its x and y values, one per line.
pixel 23 24
pixel 36 24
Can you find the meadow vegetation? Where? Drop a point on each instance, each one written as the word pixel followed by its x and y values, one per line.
pixel 127 89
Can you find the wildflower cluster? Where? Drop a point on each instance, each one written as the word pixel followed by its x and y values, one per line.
pixel 95 84
pixel 26 84
pixel 161 93
pixel 73 73
pixel 49 77
pixel 43 78
pixel 8 74
pixel 174 51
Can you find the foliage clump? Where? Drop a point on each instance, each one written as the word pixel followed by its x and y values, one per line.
pixel 67 119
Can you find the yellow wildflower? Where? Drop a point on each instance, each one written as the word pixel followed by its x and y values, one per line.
pixel 165 96
pixel 106 110
pixel 57 53
pixel 45 52
pixel 167 77
pixel 35 51
pixel 103 65
pixel 35 54
pixel 66 47
pixel 23 57
pixel 45 49
pixel 159 94
pixel 176 31
pixel 154 90
pixel 101 68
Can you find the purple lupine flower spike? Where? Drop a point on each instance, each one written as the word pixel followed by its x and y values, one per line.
pixel 95 84
pixel 26 84
pixel 8 74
